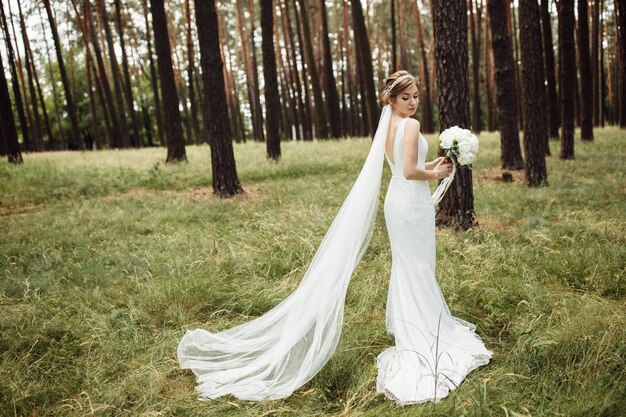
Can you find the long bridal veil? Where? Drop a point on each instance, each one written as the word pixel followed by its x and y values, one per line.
pixel 275 354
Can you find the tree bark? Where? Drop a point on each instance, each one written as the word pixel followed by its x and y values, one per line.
pixel 102 77
pixel 489 77
pixel 621 16
pixel 595 73
pixel 427 123
pixel 153 77
pixel 191 69
pixel 272 98
pixel 506 96
pixel 533 94
pixel 76 140
pixel 37 135
pixel 567 72
pixel 477 116
pixel 258 122
pixel 28 139
pixel 15 81
pixel 128 91
pixel 394 55
pixel 321 128
pixel 518 81
pixel 292 70
pixel 171 114
pixel 550 67
pixel 308 109
pixel 330 85
pixel 224 170
pixel 367 71
pixel 586 90
pixel 115 74
pixel 351 116
pixel 8 130
pixel 252 88
pixel 450 32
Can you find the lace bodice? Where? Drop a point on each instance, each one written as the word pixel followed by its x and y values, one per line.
pixel 397 167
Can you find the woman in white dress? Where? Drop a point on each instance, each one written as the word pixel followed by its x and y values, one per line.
pixel 273 355
pixel 434 351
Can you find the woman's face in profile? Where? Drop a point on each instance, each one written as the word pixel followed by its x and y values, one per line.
pixel 407 101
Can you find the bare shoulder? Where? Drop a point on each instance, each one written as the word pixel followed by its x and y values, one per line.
pixel 412 129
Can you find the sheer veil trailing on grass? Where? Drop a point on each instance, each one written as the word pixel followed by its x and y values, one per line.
pixel 275 354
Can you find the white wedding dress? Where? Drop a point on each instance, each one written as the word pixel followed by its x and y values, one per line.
pixel 434 350
pixel 273 355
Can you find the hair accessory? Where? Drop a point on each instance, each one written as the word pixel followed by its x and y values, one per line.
pixel 393 84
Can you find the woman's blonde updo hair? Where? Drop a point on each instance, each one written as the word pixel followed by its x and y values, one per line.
pixel 397 82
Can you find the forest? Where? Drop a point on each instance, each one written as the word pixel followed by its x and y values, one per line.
pixel 174 164
pixel 98 74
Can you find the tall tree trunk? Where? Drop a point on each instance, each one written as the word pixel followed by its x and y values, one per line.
pixel 394 55
pixel 610 82
pixel 506 97
pixel 367 71
pixel 595 73
pixel 30 121
pixel 60 142
pixel 602 92
pixel 477 123
pixel 330 85
pixel 350 102
pixel 321 127
pixel 102 77
pixel 51 139
pixel 621 16
pixel 308 110
pixel 75 140
pixel 428 124
pixel 600 67
pixel 15 81
pixel 586 90
pixel 548 51
pixel 171 114
pixel 92 105
pixel 567 70
pixel 450 33
pixel 518 81
pixel 257 129
pixel 489 77
pixel 534 94
pixel 272 98
pixel 91 73
pixel 292 70
pixel 288 103
pixel 153 77
pixel 115 74
pixel 191 69
pixel 37 143
pixel 260 135
pixel 128 91
pixel 8 130
pixel 225 181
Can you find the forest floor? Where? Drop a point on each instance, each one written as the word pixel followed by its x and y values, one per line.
pixel 107 258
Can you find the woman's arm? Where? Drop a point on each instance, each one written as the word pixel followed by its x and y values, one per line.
pixel 441 168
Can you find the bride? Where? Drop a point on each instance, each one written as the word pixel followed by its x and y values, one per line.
pixel 275 354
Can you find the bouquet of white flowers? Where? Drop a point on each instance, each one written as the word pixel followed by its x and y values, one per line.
pixel 460 145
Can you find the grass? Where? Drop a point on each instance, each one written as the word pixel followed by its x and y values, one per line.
pixel 107 258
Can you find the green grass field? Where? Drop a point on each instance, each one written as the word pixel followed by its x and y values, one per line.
pixel 107 258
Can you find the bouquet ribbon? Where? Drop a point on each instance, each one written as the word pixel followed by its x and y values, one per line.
pixel 443 186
